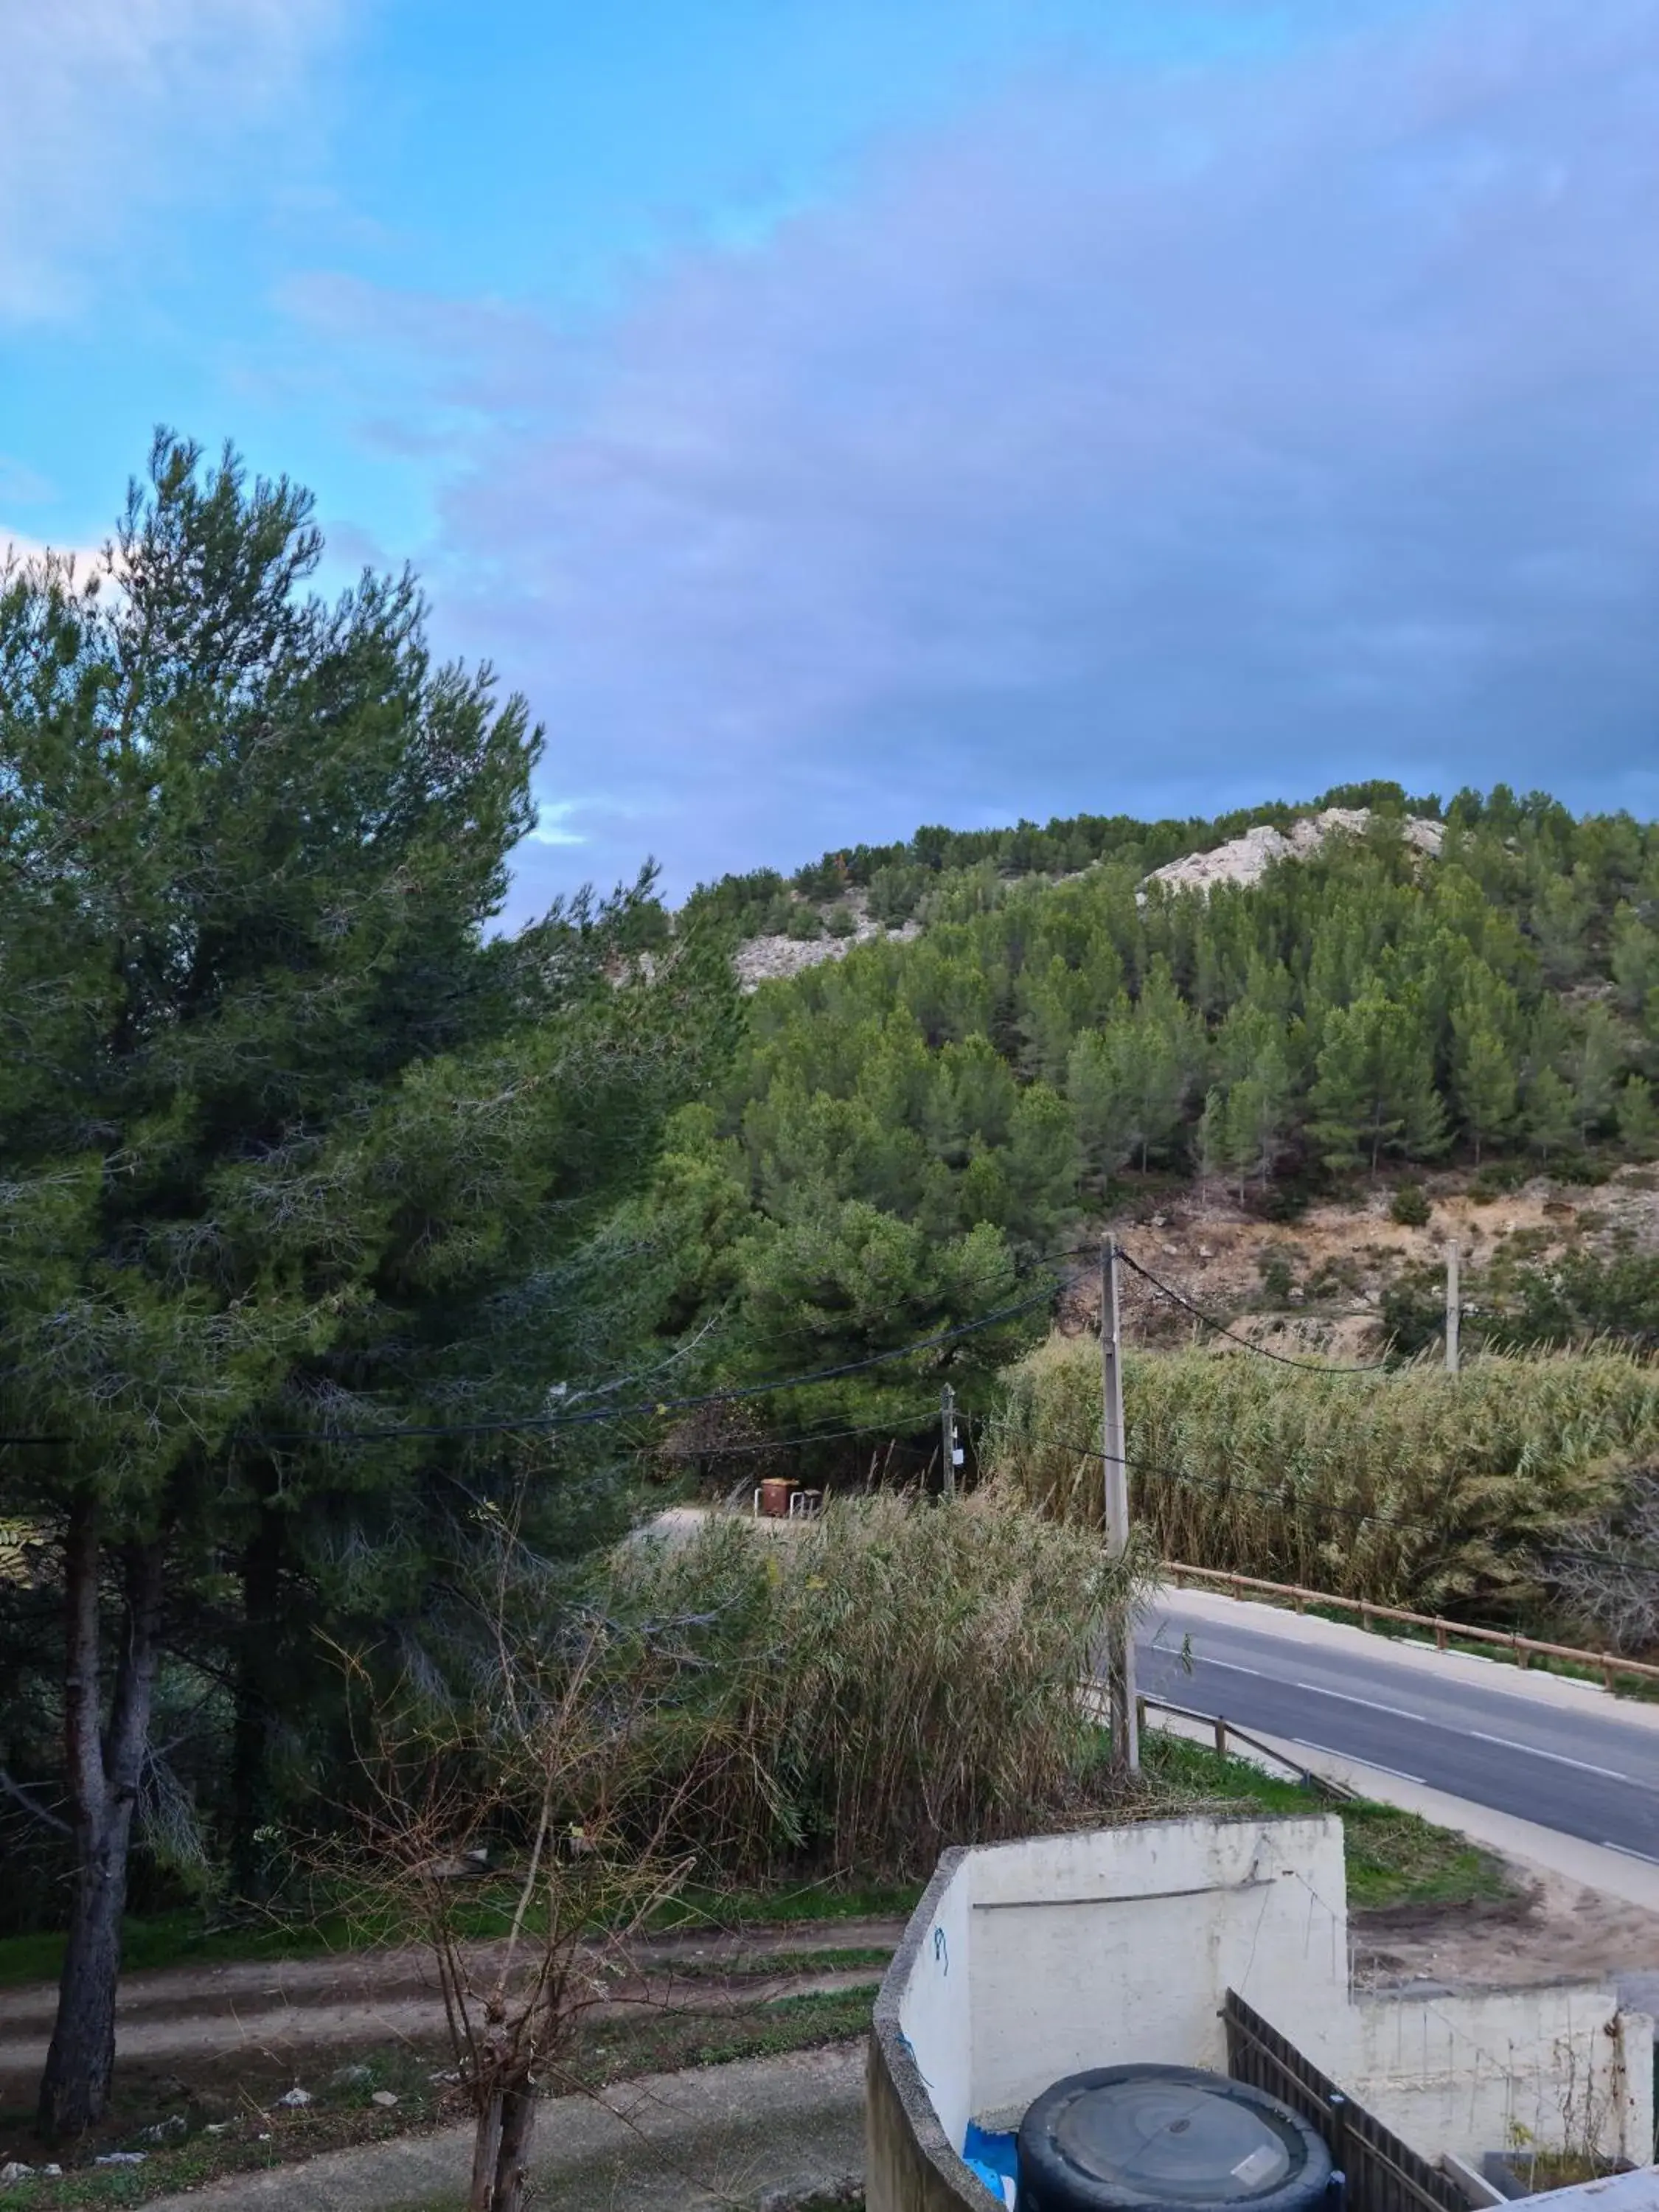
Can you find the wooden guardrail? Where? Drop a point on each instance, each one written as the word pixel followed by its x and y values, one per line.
pixel 1224 1732
pixel 1522 1648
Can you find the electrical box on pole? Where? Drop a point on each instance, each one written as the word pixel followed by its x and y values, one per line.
pixel 950 1451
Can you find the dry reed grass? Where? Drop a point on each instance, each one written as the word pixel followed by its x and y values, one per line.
pixel 895 1678
pixel 1412 1488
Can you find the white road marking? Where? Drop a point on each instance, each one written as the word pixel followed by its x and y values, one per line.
pixel 1626 1852
pixel 1371 1705
pixel 1398 1773
pixel 1424 1720
pixel 1560 1759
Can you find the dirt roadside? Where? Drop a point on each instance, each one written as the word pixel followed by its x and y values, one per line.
pixel 1552 1929
pixel 213 2026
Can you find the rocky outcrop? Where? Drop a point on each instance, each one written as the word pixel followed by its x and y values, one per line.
pixel 1246 860
pixel 766 959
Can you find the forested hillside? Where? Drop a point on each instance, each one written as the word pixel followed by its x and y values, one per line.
pixel 904 1127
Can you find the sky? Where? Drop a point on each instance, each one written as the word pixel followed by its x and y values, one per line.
pixel 840 415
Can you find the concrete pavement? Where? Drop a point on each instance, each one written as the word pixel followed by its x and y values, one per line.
pixel 720 2136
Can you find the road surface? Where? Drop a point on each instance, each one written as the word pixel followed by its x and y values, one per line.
pixel 1575 1761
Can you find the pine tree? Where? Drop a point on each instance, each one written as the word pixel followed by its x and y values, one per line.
pixel 1639 1118
pixel 1102 1107
pixel 1551 1113
pixel 1635 957
pixel 1593 1068
pixel 318 1152
pixel 1484 1085
pixel 1374 1090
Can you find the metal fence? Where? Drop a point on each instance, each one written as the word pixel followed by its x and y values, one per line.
pixel 1383 2174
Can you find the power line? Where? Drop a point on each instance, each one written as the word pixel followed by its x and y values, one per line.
pixel 1310 1366
pixel 596 1416
pixel 803 1442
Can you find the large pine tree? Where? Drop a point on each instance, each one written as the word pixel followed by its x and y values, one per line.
pixel 296 1152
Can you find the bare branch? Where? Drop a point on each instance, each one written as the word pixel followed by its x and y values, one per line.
pixel 16 1792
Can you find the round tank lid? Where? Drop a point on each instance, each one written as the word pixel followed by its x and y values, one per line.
pixel 1175 2140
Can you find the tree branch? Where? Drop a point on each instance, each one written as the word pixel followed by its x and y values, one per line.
pixel 16 1789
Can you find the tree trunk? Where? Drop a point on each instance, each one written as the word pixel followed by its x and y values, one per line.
pixel 250 1785
pixel 511 2164
pixel 501 2151
pixel 486 2150
pixel 103 1773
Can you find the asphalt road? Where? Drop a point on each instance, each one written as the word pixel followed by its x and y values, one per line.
pixel 1589 1774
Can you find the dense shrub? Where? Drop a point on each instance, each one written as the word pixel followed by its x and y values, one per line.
pixel 1410 1207
pixel 864 1690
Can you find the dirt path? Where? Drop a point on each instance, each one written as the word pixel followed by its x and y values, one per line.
pixel 1555 1929
pixel 284 2011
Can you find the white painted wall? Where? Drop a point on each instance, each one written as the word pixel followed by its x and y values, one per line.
pixel 1058 1952
pixel 1463 2074
pixel 1116 1945
pixel 935 2015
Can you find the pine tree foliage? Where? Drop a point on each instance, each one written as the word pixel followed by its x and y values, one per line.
pixel 296 1152
pixel 1061 1024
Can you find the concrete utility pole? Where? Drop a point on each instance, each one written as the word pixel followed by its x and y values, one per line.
pixel 947 1422
pixel 1121 1653
pixel 1454 1307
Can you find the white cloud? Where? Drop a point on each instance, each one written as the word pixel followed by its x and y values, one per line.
pixel 553 823
pixel 110 108
pixel 1149 444
pixel 17 548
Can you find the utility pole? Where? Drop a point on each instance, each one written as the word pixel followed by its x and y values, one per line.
pixel 1454 1307
pixel 947 1423
pixel 1120 1650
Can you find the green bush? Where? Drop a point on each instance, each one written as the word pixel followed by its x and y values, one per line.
pixel 1410 1207
pixel 1497 1179
pixel 1414 1312
pixel 1414 1487
pixel 1277 1281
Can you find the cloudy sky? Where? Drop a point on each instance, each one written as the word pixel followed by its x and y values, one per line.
pixel 836 415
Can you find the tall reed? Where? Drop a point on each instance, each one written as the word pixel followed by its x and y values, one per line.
pixel 1412 1488
pixel 860 1692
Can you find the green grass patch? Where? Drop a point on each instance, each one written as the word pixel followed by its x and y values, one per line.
pixel 666 2041
pixel 1396 1859
pixel 1393 1858
pixel 182 1938
pixel 791 1904
pixel 186 1938
pixel 764 1966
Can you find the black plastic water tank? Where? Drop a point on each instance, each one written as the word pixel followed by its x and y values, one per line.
pixel 1145 2138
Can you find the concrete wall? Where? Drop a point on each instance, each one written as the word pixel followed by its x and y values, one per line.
pixel 910 2165
pixel 1027 1961
pixel 934 2013
pixel 1116 1945
pixel 1477 2071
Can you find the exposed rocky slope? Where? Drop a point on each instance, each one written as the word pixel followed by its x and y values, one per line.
pixel 1246 860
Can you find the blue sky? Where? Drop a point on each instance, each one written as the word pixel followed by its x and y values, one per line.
pixel 840 414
